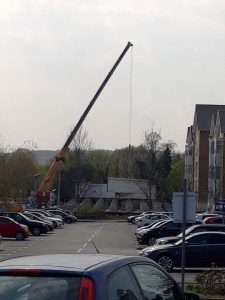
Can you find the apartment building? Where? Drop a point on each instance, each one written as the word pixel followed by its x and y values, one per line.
pixel 216 176
pixel 197 153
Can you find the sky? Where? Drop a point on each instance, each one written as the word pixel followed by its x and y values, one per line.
pixel 54 54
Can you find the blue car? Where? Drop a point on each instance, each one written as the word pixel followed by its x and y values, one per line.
pixel 86 277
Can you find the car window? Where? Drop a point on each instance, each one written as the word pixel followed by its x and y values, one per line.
pixel 18 218
pixel 218 221
pixel 39 288
pixel 121 286
pixel 4 221
pixel 201 239
pixel 216 239
pixel 172 225
pixel 155 284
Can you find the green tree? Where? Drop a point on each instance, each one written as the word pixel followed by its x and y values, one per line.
pixel 175 179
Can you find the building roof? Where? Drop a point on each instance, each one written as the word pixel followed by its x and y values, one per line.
pixel 203 115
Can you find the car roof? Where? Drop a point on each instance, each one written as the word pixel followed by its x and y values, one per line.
pixel 205 233
pixel 211 225
pixel 68 262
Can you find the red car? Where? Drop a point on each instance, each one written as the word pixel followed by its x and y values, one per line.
pixel 11 229
pixel 214 220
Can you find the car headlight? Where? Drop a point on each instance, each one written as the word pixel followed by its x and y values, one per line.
pixel 141 233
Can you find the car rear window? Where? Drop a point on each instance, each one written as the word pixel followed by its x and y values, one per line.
pixel 39 288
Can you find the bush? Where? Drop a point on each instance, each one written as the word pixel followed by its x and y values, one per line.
pixel 211 282
pixel 88 212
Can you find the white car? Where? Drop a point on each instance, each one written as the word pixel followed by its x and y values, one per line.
pixel 150 218
pixel 57 223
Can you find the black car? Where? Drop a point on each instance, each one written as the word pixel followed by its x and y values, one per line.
pixel 201 250
pixel 168 228
pixel 67 218
pixel 190 230
pixel 35 227
pixel 147 227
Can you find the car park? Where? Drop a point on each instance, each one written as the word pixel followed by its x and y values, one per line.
pixel 167 228
pixel 11 229
pixel 191 230
pixel 35 227
pixel 87 277
pixel 150 218
pixel 202 250
pixel 66 217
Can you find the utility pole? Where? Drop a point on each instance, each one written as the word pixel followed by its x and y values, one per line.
pixel 59 188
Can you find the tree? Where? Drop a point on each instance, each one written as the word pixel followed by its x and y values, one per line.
pixel 77 171
pixel 175 178
pixel 148 166
pixel 15 170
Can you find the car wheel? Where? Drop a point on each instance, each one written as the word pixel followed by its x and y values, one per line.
pixel 151 241
pixel 68 221
pixel 36 231
pixel 133 221
pixel 54 224
pixel 166 262
pixel 20 236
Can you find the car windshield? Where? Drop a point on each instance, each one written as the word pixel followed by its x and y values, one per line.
pixel 41 288
pixel 187 231
pixel 160 224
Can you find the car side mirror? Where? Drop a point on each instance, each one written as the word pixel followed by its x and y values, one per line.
pixel 191 296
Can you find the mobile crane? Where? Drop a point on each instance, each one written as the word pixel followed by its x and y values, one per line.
pixel 44 187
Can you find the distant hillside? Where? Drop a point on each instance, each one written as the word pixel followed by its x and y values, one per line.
pixel 43 157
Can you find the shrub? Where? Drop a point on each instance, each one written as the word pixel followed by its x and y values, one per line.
pixel 210 282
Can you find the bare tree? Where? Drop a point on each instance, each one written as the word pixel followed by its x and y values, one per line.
pixel 148 166
pixel 79 157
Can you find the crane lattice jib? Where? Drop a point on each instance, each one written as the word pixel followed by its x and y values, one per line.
pixel 46 182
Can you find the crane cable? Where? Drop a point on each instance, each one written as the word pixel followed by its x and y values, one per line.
pixel 131 96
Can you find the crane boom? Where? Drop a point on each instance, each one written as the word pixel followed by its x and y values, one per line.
pixel 46 181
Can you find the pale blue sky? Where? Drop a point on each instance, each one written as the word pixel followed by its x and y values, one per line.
pixel 54 54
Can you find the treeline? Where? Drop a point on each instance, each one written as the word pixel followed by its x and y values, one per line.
pixel 156 162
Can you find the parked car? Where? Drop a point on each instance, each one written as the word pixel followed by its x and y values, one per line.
pixel 168 228
pixel 131 219
pixel 35 227
pixel 66 217
pixel 150 218
pixel 189 231
pixel 201 216
pixel 214 220
pixel 87 276
pixel 33 217
pixel 57 223
pixel 11 229
pixel 147 227
pixel 202 249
